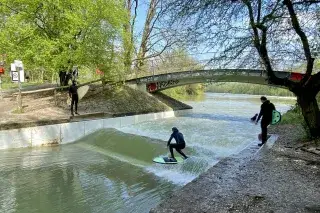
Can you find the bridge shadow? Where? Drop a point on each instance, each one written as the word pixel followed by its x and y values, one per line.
pixel 217 117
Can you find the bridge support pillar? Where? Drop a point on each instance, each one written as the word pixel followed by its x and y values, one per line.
pixel 141 87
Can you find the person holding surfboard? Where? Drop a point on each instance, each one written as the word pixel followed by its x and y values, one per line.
pixel 180 143
pixel 266 113
pixel 73 93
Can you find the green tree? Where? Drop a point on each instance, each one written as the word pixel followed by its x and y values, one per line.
pixel 48 34
pixel 273 32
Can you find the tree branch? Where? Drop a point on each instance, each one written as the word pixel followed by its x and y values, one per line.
pixel 156 54
pixel 252 23
pixel 12 9
pixel 303 38
pixel 259 11
pixel 261 45
pixel 134 19
pixel 271 16
pixel 307 2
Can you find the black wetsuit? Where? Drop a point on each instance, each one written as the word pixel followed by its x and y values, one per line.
pixel 180 143
pixel 266 112
pixel 62 76
pixel 73 91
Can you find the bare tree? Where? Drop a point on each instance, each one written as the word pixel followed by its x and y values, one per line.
pixel 151 18
pixel 154 39
pixel 128 43
pixel 281 32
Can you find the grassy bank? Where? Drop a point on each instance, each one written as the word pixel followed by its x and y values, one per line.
pixel 185 92
pixel 245 88
pixel 16 85
pixel 294 117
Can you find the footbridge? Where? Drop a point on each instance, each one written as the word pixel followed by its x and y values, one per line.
pixel 160 82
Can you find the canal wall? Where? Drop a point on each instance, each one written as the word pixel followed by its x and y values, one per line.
pixel 69 132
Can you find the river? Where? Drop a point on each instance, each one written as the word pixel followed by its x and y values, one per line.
pixel 112 170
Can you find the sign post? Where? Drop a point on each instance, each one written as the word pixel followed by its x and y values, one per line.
pixel 0 87
pixel 2 63
pixel 18 67
pixel 1 73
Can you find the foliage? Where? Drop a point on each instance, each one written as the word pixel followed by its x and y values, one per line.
pixel 293 116
pixel 183 91
pixel 277 35
pixel 49 35
pixel 244 88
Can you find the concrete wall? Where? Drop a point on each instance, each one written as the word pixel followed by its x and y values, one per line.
pixel 70 132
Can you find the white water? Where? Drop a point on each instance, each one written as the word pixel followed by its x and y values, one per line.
pixel 216 128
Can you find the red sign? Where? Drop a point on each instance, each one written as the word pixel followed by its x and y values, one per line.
pixel 1 70
pixel 296 76
pixel 99 72
pixel 151 87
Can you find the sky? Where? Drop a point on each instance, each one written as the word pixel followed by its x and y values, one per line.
pixel 140 20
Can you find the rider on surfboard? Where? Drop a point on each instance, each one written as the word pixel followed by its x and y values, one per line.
pixel 180 143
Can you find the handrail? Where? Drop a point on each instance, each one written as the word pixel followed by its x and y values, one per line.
pixel 60 87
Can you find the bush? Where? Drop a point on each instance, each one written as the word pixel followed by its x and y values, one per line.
pixel 245 88
pixel 293 116
pixel 183 91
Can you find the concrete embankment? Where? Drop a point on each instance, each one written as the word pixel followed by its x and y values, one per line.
pixel 279 178
pixel 69 132
pixel 46 123
pixel 100 102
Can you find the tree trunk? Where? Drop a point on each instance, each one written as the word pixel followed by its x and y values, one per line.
pixel 310 112
pixel 128 38
pixel 148 27
pixel 41 75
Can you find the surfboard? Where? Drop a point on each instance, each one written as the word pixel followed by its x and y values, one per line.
pixel 81 93
pixel 276 117
pixel 166 160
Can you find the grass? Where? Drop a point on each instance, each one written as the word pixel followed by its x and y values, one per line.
pixel 246 88
pixel 293 116
pixel 15 85
pixel 17 111
pixel 185 92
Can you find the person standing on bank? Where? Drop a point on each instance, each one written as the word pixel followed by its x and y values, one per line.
pixel 266 113
pixel 73 93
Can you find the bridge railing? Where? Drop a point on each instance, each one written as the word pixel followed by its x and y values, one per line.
pixel 207 74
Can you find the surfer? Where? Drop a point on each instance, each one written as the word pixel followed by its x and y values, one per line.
pixel 73 93
pixel 266 113
pixel 179 145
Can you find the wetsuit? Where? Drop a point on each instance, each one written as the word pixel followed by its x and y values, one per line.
pixel 266 112
pixel 62 76
pixel 180 143
pixel 73 91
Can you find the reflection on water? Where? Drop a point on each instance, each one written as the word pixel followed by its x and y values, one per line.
pixel 111 170
pixel 75 179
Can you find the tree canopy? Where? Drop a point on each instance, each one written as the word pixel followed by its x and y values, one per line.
pixel 274 33
pixel 50 34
